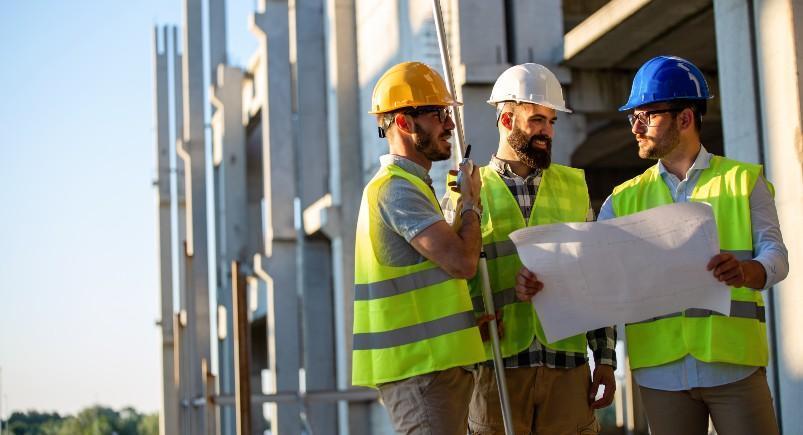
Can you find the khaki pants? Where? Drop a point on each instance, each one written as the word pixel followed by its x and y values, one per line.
pixel 543 401
pixel 740 408
pixel 431 404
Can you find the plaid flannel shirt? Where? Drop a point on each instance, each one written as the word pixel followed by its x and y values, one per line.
pixel 601 341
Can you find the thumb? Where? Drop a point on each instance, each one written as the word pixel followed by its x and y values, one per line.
pixel 592 394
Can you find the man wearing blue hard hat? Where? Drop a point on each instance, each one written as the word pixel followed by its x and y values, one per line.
pixel 697 364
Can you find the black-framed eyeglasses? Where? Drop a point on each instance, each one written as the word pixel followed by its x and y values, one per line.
pixel 645 118
pixel 442 112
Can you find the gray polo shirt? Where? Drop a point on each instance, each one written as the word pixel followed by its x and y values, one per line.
pixel 405 212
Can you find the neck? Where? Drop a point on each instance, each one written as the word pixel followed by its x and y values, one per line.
pixel 409 152
pixel 681 158
pixel 507 155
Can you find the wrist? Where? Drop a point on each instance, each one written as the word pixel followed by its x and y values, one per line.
pixel 470 206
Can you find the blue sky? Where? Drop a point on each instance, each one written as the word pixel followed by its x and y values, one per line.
pixel 79 284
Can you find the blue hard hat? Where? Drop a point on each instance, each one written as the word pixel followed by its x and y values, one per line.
pixel 666 78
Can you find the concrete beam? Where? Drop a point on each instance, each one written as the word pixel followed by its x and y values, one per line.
pixel 621 28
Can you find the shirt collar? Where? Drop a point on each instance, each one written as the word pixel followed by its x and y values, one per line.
pixel 700 163
pixel 406 164
pixel 503 168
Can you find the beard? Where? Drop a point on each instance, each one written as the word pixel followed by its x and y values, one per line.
pixel 427 144
pixel 658 147
pixel 528 152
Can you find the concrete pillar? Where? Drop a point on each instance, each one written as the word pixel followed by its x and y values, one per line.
pixel 345 163
pixel 779 28
pixel 737 81
pixel 273 76
pixel 308 56
pixel 193 152
pixel 217 35
pixel 168 421
pixel 228 150
pixel 478 58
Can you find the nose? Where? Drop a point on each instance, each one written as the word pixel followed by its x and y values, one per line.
pixel 638 127
pixel 449 124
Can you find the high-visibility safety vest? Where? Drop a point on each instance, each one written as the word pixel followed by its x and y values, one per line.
pixel 408 320
pixel 562 197
pixel 740 338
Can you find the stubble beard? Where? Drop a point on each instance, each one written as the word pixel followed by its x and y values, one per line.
pixel 427 144
pixel 661 145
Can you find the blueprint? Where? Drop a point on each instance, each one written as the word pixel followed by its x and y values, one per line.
pixel 623 270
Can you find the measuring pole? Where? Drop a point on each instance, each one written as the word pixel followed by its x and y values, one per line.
pixel 482 266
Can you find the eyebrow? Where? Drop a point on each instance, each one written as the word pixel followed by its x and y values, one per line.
pixel 540 116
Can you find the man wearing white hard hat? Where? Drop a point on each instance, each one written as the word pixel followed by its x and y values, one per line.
pixel 550 385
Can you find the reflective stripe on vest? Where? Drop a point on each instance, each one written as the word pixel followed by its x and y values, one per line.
pixel 739 338
pixel 408 320
pixel 562 197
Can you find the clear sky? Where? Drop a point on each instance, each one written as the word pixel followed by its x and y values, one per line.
pixel 79 283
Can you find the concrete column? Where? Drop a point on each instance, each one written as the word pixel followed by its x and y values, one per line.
pixel 273 76
pixel 779 28
pixel 168 421
pixel 193 151
pixel 343 130
pixel 228 145
pixel 478 58
pixel 217 35
pixel 737 80
pixel 307 54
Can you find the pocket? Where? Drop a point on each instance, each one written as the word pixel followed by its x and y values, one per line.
pixel 592 428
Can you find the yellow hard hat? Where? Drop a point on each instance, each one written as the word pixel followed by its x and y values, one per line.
pixel 410 84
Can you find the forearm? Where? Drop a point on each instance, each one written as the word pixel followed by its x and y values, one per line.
pixel 471 237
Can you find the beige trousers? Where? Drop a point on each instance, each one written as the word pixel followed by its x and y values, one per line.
pixel 740 408
pixel 543 401
pixel 431 404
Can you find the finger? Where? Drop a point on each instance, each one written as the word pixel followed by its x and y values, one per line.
pixel 716 260
pixel 592 393
pixel 725 269
pixel 453 172
pixel 607 396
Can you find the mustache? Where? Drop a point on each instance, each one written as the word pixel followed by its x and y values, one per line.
pixel 541 137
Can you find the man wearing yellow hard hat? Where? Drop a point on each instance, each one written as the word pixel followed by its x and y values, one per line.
pixel 414 326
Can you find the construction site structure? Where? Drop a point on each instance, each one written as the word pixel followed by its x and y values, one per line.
pixel 261 168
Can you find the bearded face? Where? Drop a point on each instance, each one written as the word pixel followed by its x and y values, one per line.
pixel 534 151
pixel 659 145
pixel 429 145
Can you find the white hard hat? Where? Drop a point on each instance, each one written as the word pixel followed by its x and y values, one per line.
pixel 529 83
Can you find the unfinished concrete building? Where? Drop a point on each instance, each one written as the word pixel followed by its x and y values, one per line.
pixel 290 145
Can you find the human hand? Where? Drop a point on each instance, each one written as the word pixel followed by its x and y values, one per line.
pixel 727 269
pixel 527 284
pixel 603 375
pixel 470 183
pixel 485 330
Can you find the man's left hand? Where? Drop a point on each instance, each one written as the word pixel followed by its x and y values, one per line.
pixel 603 375
pixel 726 268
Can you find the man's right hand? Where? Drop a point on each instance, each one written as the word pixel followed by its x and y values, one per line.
pixel 527 284
pixel 470 183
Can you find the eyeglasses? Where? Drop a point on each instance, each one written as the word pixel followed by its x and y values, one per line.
pixel 442 112
pixel 645 118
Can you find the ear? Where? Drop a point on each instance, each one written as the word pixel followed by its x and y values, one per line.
pixel 686 118
pixel 401 122
pixel 506 119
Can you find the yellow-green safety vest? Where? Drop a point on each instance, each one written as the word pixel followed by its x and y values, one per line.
pixel 740 338
pixel 408 320
pixel 562 197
